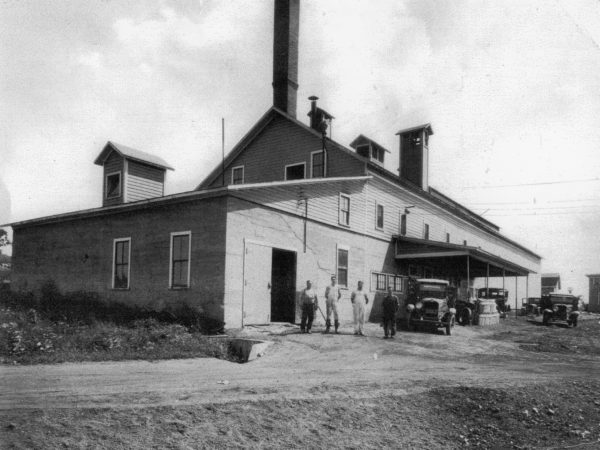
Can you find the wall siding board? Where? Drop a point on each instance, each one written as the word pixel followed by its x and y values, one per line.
pixel 283 143
pixel 440 222
pixel 144 181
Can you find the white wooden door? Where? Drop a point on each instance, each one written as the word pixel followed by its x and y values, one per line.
pixel 257 283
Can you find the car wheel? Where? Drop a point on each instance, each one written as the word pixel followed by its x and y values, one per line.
pixel 546 319
pixel 464 318
pixel 409 326
pixel 449 325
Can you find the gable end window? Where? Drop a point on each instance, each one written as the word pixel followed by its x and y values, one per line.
pixel 121 266
pixel 426 231
pixel 113 185
pixel 448 238
pixel 344 210
pixel 403 224
pixel 237 175
pixel 295 171
pixel 379 216
pixel 179 269
pixel 342 266
pixel 317 164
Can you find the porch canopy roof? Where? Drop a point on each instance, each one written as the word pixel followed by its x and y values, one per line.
pixel 453 259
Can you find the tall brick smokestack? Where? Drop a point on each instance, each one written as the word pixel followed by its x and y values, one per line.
pixel 285 55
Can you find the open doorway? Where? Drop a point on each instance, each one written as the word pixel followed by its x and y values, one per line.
pixel 283 286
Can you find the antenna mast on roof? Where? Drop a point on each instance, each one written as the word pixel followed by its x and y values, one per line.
pixel 223 149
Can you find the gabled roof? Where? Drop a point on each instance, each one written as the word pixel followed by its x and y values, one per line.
pixel 362 139
pixel 130 153
pixel 426 127
pixel 255 131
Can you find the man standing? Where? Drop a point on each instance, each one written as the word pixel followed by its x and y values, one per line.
pixel 359 300
pixel 391 306
pixel 309 302
pixel 332 295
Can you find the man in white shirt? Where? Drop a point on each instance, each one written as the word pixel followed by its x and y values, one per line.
pixel 359 300
pixel 310 303
pixel 332 296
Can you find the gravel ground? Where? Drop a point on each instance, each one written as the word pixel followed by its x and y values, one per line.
pixel 518 385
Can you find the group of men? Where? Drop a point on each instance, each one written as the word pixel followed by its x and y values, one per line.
pixel 359 298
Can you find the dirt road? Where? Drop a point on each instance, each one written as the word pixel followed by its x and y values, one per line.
pixel 297 366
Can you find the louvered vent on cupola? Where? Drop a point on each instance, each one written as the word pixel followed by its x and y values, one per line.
pixel 130 175
pixel 370 149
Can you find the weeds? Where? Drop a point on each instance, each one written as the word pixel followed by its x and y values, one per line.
pixel 80 327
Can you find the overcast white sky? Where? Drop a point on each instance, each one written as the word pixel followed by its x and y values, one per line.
pixel 512 89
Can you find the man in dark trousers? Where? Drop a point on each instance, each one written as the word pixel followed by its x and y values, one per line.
pixel 391 306
pixel 309 302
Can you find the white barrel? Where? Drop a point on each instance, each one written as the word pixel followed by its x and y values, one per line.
pixel 488 314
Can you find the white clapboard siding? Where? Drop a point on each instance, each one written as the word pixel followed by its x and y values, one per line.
pixel 143 181
pixel 396 199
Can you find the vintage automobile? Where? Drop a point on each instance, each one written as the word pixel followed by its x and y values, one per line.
pixel 467 311
pixel 497 294
pixel 529 306
pixel 557 308
pixel 429 305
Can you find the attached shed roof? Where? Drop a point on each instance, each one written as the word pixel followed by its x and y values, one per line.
pixel 414 249
pixel 130 153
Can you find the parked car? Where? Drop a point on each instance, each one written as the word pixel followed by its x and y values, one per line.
pixel 429 305
pixel 529 306
pixel 557 308
pixel 497 294
pixel 467 311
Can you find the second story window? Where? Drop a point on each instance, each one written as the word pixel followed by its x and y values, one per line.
pixel 403 224
pixel 317 164
pixel 426 231
pixel 295 171
pixel 379 216
pixel 113 185
pixel 237 175
pixel 448 238
pixel 344 210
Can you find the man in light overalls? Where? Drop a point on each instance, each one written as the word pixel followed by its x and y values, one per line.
pixel 359 300
pixel 332 295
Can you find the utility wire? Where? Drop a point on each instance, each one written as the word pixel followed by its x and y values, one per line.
pixel 542 183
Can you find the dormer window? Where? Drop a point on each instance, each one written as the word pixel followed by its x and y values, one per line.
pixel 113 185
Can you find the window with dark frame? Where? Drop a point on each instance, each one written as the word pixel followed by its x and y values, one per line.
pixel 237 175
pixel 318 164
pixel 344 210
pixel 403 224
pixel 121 268
pixel 113 185
pixel 426 231
pixel 295 172
pixel 379 217
pixel 448 238
pixel 180 260
pixel 342 267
